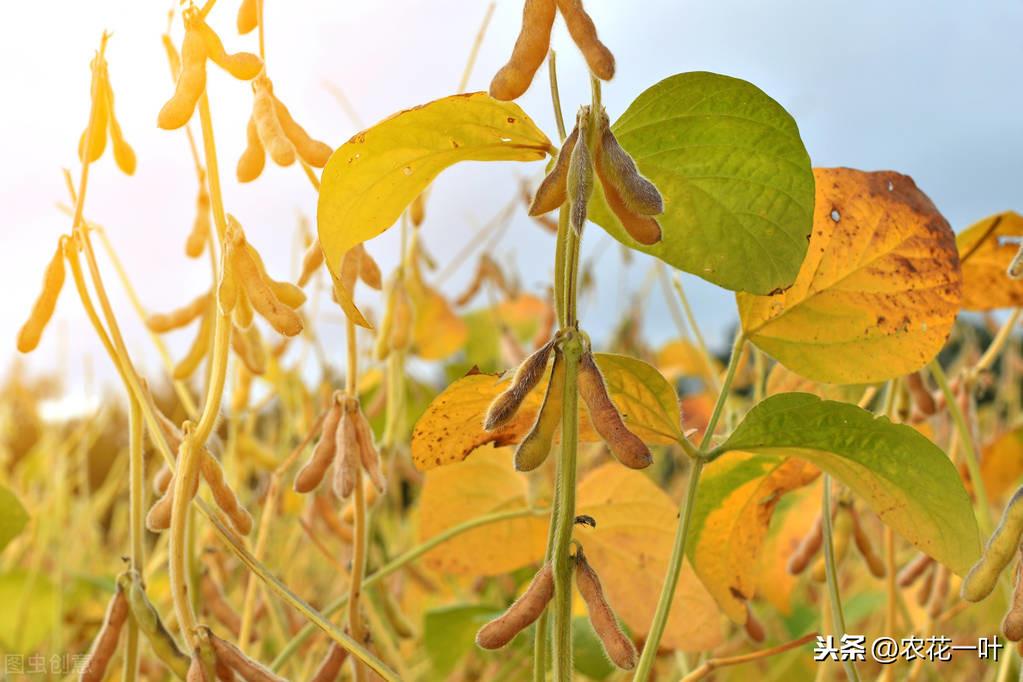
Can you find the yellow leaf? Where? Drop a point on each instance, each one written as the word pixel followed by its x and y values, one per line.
pixel 437 331
pixel 452 425
pixel 984 259
pixel 738 494
pixel 681 358
pixel 783 380
pixel 878 291
pixel 373 177
pixel 796 515
pixel 630 549
pixel 1002 464
pixel 485 484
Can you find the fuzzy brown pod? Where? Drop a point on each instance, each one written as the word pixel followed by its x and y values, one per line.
pixel 553 190
pixel 1000 549
pixel 1012 623
pixel 754 628
pixel 249 670
pixel 330 666
pixel 521 614
pixel 347 456
pixel 626 446
pixel 527 376
pixel 536 446
pixel 530 50
pixel 310 476
pixel 923 401
pixel 866 546
pixel 579 182
pixel 912 571
pixel 618 647
pixel 105 644
pixel 631 197
pixel 369 456
pixel 42 310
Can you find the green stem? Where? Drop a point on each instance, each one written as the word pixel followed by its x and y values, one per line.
pixel 564 513
pixel 831 572
pixel 660 621
pixel 394 565
pixel 136 527
pixel 984 519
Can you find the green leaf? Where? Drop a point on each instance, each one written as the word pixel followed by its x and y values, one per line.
pixel 901 475
pixel 373 177
pixel 449 633
pixel 735 176
pixel 13 516
pixel 29 601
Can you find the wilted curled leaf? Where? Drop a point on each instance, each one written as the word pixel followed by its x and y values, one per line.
pixel 738 495
pixel 373 177
pixel 984 257
pixel 452 426
pixel 878 291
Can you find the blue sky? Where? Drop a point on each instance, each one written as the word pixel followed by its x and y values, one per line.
pixel 930 89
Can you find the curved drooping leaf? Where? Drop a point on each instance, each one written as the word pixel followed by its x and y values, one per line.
pixel 452 426
pixel 878 292
pixel 900 474
pixel 736 500
pixel 373 177
pixel 630 549
pixel 985 256
pixel 735 176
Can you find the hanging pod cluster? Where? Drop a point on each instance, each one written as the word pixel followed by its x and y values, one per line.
pixel 631 197
pixel 159 516
pixel 245 287
pixel 626 446
pixel 200 44
pixel 534 41
pixel 1003 545
pixel 528 607
pixel 271 129
pixel 105 121
pixel 346 441
pixel 846 525
pixel 246 343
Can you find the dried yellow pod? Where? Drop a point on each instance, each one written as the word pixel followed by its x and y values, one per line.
pixel 222 493
pixel 243 313
pixel 521 614
pixel 242 65
pixel 287 293
pixel 998 552
pixel 248 16
pixel 617 646
pixel 368 454
pixel 347 457
pixel 623 443
pixel 310 476
pixel 175 319
pixel 124 155
pixel 162 479
pixel 188 364
pixel 311 262
pixel 105 644
pixel 369 271
pixel 242 387
pixel 253 281
pixel 534 448
pixel 42 309
pixel 227 287
pixel 530 50
pixel 101 107
pixel 312 151
pixel 579 183
pixel 1012 624
pixel 190 84
pixel 200 234
pixel 527 376
pixel 553 191
pixel 268 126
pixel 417 210
pixel 248 346
pixel 252 160
pixel 584 34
